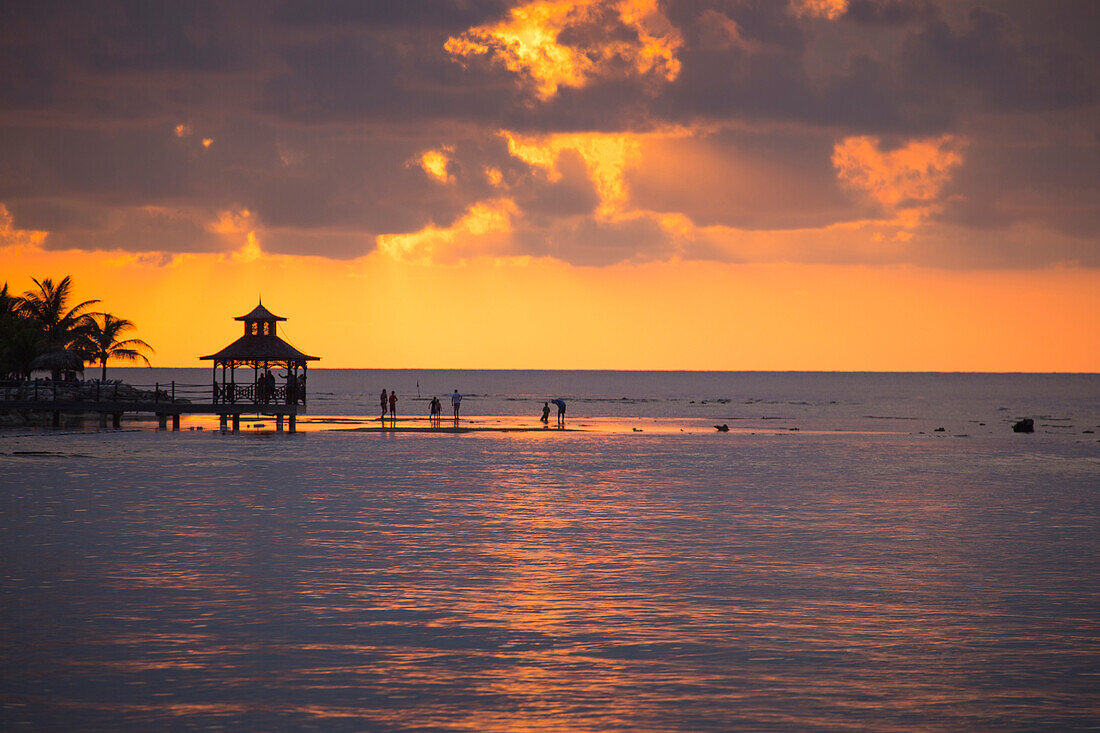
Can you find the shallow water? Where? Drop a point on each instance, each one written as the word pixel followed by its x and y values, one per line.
pixel 580 580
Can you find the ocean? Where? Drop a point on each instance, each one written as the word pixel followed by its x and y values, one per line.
pixel 858 552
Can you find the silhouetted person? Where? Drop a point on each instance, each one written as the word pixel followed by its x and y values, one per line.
pixel 456 402
pixel 545 413
pixel 268 385
pixel 385 404
pixel 393 406
pixel 302 388
pixel 291 388
pixel 435 410
pixel 560 404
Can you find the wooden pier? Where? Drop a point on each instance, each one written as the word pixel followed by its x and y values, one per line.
pixel 167 402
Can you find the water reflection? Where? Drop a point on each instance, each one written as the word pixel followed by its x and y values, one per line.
pixel 516 582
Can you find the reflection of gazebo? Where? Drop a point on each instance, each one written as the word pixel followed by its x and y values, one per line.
pixel 260 349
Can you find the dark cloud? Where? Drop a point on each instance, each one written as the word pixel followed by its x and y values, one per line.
pixel 993 57
pixel 321 242
pixel 592 242
pixel 543 200
pixel 770 82
pixel 449 15
pixel 747 181
pixel 318 113
pixel 137 36
pixel 1052 185
pixel 890 12
pixel 142 229
pixel 142 165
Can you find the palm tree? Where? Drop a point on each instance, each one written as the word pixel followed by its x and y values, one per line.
pixel 20 340
pixel 47 308
pixel 8 303
pixel 100 341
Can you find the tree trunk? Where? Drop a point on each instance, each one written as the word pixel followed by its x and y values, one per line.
pixel 104 363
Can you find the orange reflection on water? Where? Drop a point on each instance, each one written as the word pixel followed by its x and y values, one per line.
pixel 568 581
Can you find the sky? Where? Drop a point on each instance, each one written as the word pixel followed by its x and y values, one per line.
pixel 896 185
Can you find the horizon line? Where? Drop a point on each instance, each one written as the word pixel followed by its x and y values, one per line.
pixel 669 371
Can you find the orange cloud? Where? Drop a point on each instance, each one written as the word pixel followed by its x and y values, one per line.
pixel 250 252
pixel 606 157
pixel 434 163
pixel 527 44
pixel 13 238
pixel 913 174
pixel 829 9
pixel 483 230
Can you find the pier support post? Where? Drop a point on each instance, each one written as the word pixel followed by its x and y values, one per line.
pixel 291 419
pixel 116 420
pixel 102 420
pixel 162 421
pixel 223 422
pixel 279 423
pixel 236 423
pixel 175 420
pixel 57 418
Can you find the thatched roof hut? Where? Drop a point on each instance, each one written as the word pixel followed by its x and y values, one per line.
pixel 59 361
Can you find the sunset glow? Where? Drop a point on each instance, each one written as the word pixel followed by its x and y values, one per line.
pixel 819 184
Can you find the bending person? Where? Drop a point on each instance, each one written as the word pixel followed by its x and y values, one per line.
pixel 560 404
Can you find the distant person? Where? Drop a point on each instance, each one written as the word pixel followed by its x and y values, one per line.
pixel 393 405
pixel 456 402
pixel 560 404
pixel 545 413
pixel 385 404
pixel 435 410
pixel 302 388
pixel 269 379
pixel 291 388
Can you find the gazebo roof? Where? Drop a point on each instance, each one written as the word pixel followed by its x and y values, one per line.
pixel 260 348
pixel 259 313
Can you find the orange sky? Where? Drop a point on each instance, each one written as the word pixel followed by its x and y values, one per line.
pixel 380 313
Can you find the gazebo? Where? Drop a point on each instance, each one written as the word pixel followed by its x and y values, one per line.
pixel 262 350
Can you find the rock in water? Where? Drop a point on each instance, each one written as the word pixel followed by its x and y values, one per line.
pixel 1027 425
pixel 723 428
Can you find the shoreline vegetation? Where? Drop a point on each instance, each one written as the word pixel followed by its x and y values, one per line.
pixel 41 331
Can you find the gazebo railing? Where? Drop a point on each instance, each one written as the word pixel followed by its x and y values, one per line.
pixel 230 394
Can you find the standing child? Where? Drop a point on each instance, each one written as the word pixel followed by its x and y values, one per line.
pixel 393 405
